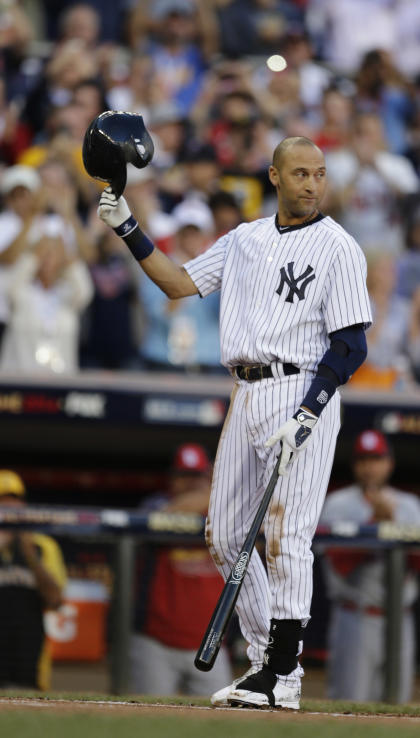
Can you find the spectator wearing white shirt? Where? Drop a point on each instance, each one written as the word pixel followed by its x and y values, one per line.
pixel 20 188
pixel 47 291
pixel 367 182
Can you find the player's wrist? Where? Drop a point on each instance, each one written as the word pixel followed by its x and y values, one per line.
pixel 139 244
pixel 318 395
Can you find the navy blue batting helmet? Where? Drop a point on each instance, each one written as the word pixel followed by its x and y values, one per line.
pixel 112 140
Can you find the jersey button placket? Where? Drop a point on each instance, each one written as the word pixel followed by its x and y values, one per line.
pixel 273 246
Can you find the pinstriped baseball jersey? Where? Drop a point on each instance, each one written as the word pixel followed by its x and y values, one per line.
pixel 283 290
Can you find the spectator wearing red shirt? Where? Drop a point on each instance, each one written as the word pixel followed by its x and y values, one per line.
pixel 177 590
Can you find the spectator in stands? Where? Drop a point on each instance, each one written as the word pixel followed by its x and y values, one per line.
pixel 108 338
pixel 182 334
pixel 314 78
pixel 15 136
pixel 166 636
pixel 78 20
pixel 178 62
pixel 367 184
pixel 70 63
pixel 242 142
pixel 336 120
pixel 381 89
pixel 226 212
pixel 256 27
pixel 47 291
pixel 16 34
pixel 356 579
pixel 344 31
pixel 202 171
pixel 62 141
pixel 82 22
pixel 168 129
pixel 408 265
pixel 145 196
pixel 137 92
pixel 414 334
pixel 20 189
pixel 390 347
pixel 90 97
pixel 223 77
pixel 61 201
pixel 32 579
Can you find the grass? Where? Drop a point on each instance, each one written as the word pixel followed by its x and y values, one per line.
pixel 320 706
pixel 40 722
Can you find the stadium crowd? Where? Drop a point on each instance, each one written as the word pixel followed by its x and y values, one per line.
pixel 70 295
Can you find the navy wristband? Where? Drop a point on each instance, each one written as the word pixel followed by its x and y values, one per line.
pixel 139 244
pixel 318 394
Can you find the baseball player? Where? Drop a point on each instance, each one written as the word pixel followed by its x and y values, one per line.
pixel 356 579
pixel 32 579
pixel 164 641
pixel 294 307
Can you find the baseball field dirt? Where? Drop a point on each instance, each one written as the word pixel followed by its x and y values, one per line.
pixel 95 716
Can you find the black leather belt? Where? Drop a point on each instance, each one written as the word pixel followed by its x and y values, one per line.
pixel 254 373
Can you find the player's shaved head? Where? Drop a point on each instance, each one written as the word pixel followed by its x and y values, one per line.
pixel 289 143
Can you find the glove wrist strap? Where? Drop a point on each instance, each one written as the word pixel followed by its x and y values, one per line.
pixel 305 417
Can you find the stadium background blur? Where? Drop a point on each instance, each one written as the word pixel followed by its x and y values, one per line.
pixel 92 418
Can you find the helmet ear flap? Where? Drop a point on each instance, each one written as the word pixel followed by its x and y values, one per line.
pixel 113 139
pixel 141 149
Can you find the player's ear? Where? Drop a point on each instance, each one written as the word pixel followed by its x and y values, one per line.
pixel 273 176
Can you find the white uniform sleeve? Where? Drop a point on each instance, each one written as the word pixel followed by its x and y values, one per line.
pixel 346 300
pixel 206 270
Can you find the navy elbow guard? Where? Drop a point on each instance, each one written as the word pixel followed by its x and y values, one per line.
pixel 347 352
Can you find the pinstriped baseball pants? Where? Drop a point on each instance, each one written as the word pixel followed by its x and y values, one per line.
pixel 243 466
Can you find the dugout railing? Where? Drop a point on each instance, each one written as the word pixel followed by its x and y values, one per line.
pixel 126 530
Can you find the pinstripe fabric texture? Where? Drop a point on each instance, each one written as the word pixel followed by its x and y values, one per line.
pixel 283 290
pixel 259 326
pixel 241 473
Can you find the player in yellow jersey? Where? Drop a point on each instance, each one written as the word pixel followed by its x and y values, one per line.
pixel 32 579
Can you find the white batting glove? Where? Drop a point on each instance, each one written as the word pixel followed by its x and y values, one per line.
pixel 112 211
pixel 294 436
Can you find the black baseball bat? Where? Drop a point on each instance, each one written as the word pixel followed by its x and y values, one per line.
pixel 209 647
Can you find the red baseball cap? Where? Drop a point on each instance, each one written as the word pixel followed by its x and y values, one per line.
pixel 191 457
pixel 371 443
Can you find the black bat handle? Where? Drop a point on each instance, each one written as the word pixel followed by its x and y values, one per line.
pixel 210 645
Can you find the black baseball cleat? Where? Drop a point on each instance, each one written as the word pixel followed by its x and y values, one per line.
pixel 264 690
pixel 219 698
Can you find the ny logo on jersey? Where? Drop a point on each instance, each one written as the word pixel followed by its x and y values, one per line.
pixel 293 282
